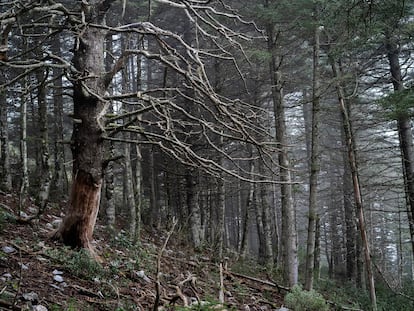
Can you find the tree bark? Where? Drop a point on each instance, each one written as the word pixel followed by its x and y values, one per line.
pixel 87 145
pixel 314 166
pixel 138 194
pixel 289 236
pixel 155 207
pixel 45 174
pixel 221 209
pixel 194 208
pixel 130 193
pixel 5 175
pixel 350 228
pixel 24 182
pixel 246 219
pixel 110 210
pixel 404 133
pixel 356 184
pixel 60 176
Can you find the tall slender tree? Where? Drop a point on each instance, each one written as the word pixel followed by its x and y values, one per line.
pixel 314 164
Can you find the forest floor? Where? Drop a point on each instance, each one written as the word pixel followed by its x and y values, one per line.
pixel 37 273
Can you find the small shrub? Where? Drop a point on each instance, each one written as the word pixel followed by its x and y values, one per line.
pixel 79 263
pixel 5 218
pixel 301 300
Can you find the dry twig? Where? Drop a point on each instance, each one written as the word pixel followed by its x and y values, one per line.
pixel 158 273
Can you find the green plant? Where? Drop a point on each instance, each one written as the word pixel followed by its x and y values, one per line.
pixel 79 263
pixel 301 300
pixel 6 217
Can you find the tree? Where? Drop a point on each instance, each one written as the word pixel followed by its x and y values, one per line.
pixel 289 246
pixel 350 144
pixel 160 113
pixel 314 165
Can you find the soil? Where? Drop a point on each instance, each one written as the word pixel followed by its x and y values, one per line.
pixel 37 273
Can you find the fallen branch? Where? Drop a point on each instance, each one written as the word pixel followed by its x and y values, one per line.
pixel 264 282
pixel 389 285
pixel 84 291
pixel 157 278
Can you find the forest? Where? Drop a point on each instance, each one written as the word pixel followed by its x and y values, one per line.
pixel 274 135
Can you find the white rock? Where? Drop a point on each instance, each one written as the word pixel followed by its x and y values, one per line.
pixel 39 308
pixel 7 275
pixel 32 210
pixel 141 274
pixel 32 296
pixel 23 266
pixel 56 222
pixel 58 278
pixel 8 249
pixel 57 272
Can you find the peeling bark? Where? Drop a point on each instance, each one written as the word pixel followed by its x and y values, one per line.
pixel 87 144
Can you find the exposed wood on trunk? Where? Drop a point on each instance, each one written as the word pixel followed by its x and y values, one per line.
pixel 78 224
pixel 350 143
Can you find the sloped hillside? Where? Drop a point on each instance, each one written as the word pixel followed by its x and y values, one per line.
pixel 39 274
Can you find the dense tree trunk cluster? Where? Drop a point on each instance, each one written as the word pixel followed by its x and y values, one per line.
pixel 276 130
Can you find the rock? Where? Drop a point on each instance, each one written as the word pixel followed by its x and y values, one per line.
pixel 56 223
pixel 57 272
pixel 58 278
pixel 32 296
pixel 8 249
pixel 23 266
pixel 6 276
pixel 283 309
pixel 23 215
pixel 141 275
pixel 39 308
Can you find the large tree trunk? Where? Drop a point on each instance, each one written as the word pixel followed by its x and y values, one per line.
pixel 87 144
pixel 404 134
